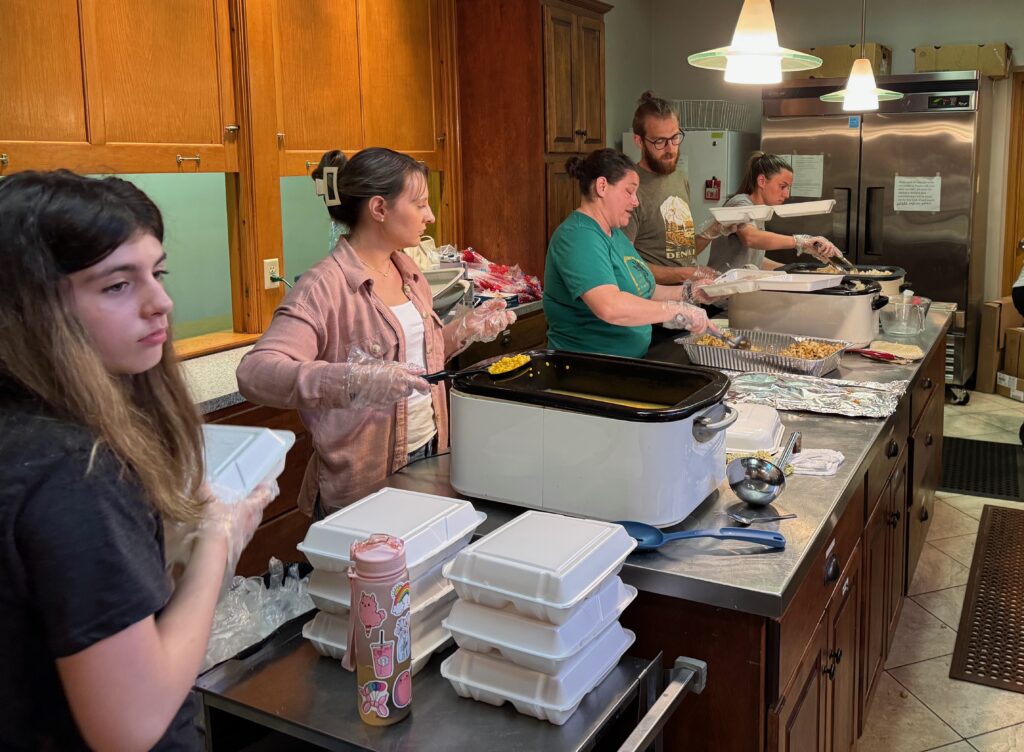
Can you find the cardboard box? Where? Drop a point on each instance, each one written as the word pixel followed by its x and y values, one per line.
pixel 992 59
pixel 997 316
pixel 1013 353
pixel 1010 386
pixel 837 60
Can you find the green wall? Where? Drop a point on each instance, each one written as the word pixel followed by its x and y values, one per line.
pixel 305 224
pixel 196 240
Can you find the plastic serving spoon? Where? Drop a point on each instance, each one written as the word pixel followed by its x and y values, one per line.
pixel 649 537
pixel 434 378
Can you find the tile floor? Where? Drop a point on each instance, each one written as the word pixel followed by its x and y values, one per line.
pixel 917 707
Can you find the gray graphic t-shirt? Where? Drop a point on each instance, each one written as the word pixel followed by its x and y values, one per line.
pixel 661 227
pixel 729 252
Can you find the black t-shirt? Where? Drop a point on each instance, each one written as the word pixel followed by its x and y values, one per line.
pixel 82 554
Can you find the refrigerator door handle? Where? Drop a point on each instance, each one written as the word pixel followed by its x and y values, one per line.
pixel 874 213
pixel 841 218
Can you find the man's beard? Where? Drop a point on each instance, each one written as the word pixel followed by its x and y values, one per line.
pixel 657 164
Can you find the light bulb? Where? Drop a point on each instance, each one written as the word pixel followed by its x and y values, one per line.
pixel 753 69
pixel 861 93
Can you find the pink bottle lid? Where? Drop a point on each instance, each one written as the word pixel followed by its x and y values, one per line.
pixel 379 556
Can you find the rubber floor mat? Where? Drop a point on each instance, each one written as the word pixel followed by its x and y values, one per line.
pixel 990 640
pixel 982 468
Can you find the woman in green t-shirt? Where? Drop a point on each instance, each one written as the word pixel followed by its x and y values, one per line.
pixel 599 295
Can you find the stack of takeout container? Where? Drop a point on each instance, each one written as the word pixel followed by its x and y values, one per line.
pixel 537 620
pixel 434 529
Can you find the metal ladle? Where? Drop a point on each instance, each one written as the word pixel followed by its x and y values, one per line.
pixel 759 482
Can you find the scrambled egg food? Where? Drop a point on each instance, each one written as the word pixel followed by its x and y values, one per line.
pixel 508 363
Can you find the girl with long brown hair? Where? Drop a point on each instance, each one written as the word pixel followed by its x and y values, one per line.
pixel 100 447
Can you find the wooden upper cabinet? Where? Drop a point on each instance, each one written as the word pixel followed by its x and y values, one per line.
pixel 316 67
pixel 590 84
pixel 118 85
pixel 560 98
pixel 563 193
pixel 41 74
pixel 400 76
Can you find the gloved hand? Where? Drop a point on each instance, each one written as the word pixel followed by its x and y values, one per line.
pixel 817 246
pixel 483 323
pixel 703 272
pixel 379 384
pixel 684 316
pixel 697 294
pixel 237 521
pixel 712 229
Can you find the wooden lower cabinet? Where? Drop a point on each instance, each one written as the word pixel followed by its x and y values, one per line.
pixel 798 723
pixel 897 521
pixel 844 647
pixel 925 472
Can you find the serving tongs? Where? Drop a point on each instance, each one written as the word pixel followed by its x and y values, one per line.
pixel 887 357
pixel 736 343
pixel 844 263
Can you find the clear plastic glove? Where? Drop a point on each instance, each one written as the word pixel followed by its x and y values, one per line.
pixel 379 384
pixel 697 294
pixel 483 323
pixel 238 520
pixel 712 229
pixel 703 272
pixel 817 246
pixel 684 316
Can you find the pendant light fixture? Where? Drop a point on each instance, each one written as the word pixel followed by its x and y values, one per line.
pixel 754 57
pixel 861 94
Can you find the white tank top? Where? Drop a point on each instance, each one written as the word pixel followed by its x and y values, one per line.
pixel 419 408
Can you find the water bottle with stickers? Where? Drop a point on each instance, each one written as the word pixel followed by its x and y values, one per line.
pixel 379 634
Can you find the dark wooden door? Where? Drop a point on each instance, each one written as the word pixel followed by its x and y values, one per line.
pixel 563 194
pixel 588 73
pixel 798 721
pixel 560 117
pixel 844 647
pixel 897 521
pixel 874 565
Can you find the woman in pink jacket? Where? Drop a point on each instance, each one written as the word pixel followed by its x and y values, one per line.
pixel 348 345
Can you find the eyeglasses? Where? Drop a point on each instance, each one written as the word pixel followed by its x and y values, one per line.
pixel 661 143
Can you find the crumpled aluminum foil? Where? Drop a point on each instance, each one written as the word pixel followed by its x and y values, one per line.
pixel 856 399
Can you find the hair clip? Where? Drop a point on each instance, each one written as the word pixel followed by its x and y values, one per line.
pixel 327 186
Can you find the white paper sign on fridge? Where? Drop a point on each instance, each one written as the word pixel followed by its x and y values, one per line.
pixel 808 175
pixel 917 194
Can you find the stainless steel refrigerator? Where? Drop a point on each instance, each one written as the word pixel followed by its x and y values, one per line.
pixel 908 181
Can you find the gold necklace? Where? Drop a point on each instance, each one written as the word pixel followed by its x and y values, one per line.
pixel 384 273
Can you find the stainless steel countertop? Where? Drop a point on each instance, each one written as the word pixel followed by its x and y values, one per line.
pixel 734 575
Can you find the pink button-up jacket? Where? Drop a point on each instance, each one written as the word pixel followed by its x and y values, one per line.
pixel 300 362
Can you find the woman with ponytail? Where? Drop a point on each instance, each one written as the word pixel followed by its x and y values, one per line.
pixel 766 182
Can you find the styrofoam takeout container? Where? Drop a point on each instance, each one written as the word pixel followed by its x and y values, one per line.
pixel 737 281
pixel 805 208
pixel 758 427
pixel 239 458
pixel 490 679
pixel 331 591
pixel 432 527
pixel 543 564
pixel 534 644
pixel 733 214
pixel 328 633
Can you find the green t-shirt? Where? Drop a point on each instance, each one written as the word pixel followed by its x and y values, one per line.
pixel 580 258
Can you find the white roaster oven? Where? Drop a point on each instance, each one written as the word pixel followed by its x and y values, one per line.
pixel 848 311
pixel 543 437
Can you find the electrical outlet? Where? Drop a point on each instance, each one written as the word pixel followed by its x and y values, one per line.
pixel 271 268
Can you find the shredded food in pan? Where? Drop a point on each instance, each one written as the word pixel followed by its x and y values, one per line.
pixel 832 269
pixel 808 349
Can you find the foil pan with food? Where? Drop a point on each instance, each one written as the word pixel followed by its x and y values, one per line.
pixel 855 399
pixel 770 352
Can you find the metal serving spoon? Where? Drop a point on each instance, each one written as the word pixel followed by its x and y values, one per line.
pixel 745 521
pixel 736 343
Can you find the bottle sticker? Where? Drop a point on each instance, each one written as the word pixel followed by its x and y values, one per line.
pixel 403 689
pixel 370 614
pixel 373 698
pixel 383 652
pixel 402 635
pixel 400 598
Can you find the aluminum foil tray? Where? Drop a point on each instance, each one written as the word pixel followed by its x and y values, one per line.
pixel 855 399
pixel 767 361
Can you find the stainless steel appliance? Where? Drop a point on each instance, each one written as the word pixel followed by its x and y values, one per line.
pixel 881 168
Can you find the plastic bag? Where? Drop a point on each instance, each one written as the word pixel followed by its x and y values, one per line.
pixel 491 277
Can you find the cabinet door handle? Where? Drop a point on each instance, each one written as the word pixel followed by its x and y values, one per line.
pixel 892 449
pixel 506 338
pixel 929 440
pixel 830 671
pixel 894 519
pixel 846 589
pixel 924 514
pixel 832 571
pixel 4 161
pixel 836 656
pixel 580 133
pixel 927 384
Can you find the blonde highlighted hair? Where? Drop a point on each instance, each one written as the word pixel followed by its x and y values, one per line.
pixel 55 223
